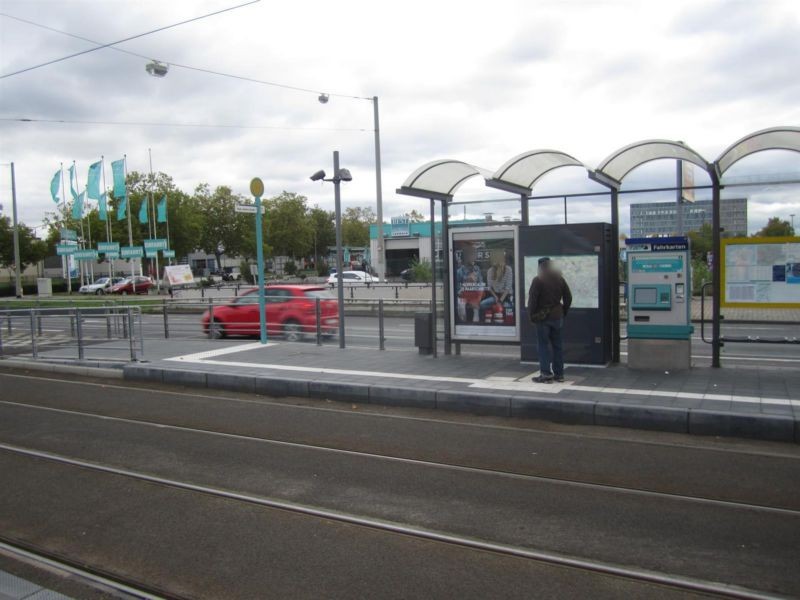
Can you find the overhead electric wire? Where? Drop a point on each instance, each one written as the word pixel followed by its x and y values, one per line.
pixel 182 66
pixel 127 39
pixel 155 124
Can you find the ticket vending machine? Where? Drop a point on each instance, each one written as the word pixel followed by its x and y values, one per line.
pixel 659 303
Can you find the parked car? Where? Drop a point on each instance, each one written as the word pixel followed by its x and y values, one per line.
pixel 290 311
pixel 100 286
pixel 126 286
pixel 352 278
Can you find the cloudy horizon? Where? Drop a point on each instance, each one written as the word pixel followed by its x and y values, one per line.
pixel 455 80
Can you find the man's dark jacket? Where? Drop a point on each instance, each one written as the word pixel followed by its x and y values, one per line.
pixel 549 290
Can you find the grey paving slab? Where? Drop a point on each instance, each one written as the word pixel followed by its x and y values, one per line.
pixel 16 587
pixel 486 403
pixel 658 418
pixel 413 396
pixel 760 426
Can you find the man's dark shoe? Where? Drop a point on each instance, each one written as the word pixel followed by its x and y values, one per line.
pixel 543 379
pixel 558 379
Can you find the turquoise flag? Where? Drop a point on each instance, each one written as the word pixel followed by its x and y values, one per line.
pixel 118 169
pixel 77 206
pixel 102 207
pixel 143 212
pixel 55 183
pixel 161 210
pixel 93 182
pixel 122 208
pixel 72 187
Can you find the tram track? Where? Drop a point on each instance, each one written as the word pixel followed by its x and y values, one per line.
pixel 669 580
pixel 714 502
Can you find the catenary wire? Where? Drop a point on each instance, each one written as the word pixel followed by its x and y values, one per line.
pixel 127 39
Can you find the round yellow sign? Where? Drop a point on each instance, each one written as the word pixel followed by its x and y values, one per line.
pixel 256 187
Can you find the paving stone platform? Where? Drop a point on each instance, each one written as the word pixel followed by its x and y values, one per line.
pixel 761 403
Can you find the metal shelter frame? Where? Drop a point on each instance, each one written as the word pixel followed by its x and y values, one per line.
pixel 440 179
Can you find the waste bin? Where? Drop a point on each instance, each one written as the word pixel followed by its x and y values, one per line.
pixel 422 333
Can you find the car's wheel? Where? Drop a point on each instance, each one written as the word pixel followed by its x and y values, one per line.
pixel 292 331
pixel 218 330
pixel 99 292
pixel 124 292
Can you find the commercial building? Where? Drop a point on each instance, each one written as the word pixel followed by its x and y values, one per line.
pixel 661 218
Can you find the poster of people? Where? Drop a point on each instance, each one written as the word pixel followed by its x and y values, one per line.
pixel 484 284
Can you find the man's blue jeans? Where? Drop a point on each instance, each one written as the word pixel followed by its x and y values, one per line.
pixel 549 334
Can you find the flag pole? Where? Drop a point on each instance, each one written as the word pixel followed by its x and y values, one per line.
pixel 130 231
pixel 81 265
pixel 155 223
pixel 65 258
pixel 108 221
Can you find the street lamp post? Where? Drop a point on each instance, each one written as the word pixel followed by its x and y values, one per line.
pixel 339 175
pixel 17 263
pixel 793 229
pixel 323 99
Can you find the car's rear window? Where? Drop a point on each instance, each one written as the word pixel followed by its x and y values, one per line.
pixel 320 294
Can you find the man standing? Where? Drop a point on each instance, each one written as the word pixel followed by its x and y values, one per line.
pixel 549 300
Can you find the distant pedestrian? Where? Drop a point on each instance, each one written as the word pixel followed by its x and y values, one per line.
pixel 549 299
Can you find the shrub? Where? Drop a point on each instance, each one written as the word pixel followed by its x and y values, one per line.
pixel 422 271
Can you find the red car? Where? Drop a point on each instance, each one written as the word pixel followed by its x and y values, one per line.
pixel 291 312
pixel 125 287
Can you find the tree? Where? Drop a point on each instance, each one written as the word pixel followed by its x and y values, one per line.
pixel 224 231
pixel 324 229
pixel 775 227
pixel 701 242
pixel 31 249
pixel 355 225
pixel 289 231
pixel 415 217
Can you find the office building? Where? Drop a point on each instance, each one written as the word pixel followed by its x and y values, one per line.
pixel 660 218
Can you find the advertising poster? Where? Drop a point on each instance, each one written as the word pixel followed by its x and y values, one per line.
pixel 178 275
pixel 484 284
pixel 761 272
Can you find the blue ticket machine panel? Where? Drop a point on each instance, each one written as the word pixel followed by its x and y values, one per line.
pixel 660 288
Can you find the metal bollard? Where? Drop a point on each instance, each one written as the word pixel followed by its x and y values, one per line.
pixel 141 333
pixel 211 318
pixel 1 339
pixel 381 342
pixel 129 327
pixel 71 326
pixel 397 292
pixel 318 310
pixel 79 329
pixel 8 321
pixel 124 326
pixel 166 320
pixel 202 291
pixel 351 292
pixel 108 319
pixel 38 319
pixel 34 349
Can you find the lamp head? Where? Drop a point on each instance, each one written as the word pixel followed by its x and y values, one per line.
pixel 344 175
pixel 157 69
pixel 323 98
pixel 318 176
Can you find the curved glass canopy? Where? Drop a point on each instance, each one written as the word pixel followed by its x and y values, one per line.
pixel 774 138
pixel 614 168
pixel 520 174
pixel 440 179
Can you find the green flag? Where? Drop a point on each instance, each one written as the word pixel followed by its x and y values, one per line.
pixel 102 207
pixel 71 179
pixel 122 208
pixel 118 169
pixel 161 210
pixel 55 183
pixel 77 206
pixel 143 211
pixel 93 182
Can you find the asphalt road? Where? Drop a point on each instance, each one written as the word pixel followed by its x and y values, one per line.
pixel 226 495
pixel 399 335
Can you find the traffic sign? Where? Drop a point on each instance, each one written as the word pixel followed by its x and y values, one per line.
pixel 248 208
pixel 155 244
pixel 131 252
pixel 256 187
pixel 65 249
pixel 168 253
pixel 90 254
pixel 68 234
pixel 108 247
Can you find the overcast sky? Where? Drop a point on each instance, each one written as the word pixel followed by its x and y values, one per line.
pixel 475 81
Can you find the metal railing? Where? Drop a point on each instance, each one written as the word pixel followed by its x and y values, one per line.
pixel 111 332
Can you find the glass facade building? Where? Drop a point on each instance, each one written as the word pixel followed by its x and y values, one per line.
pixel 661 218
